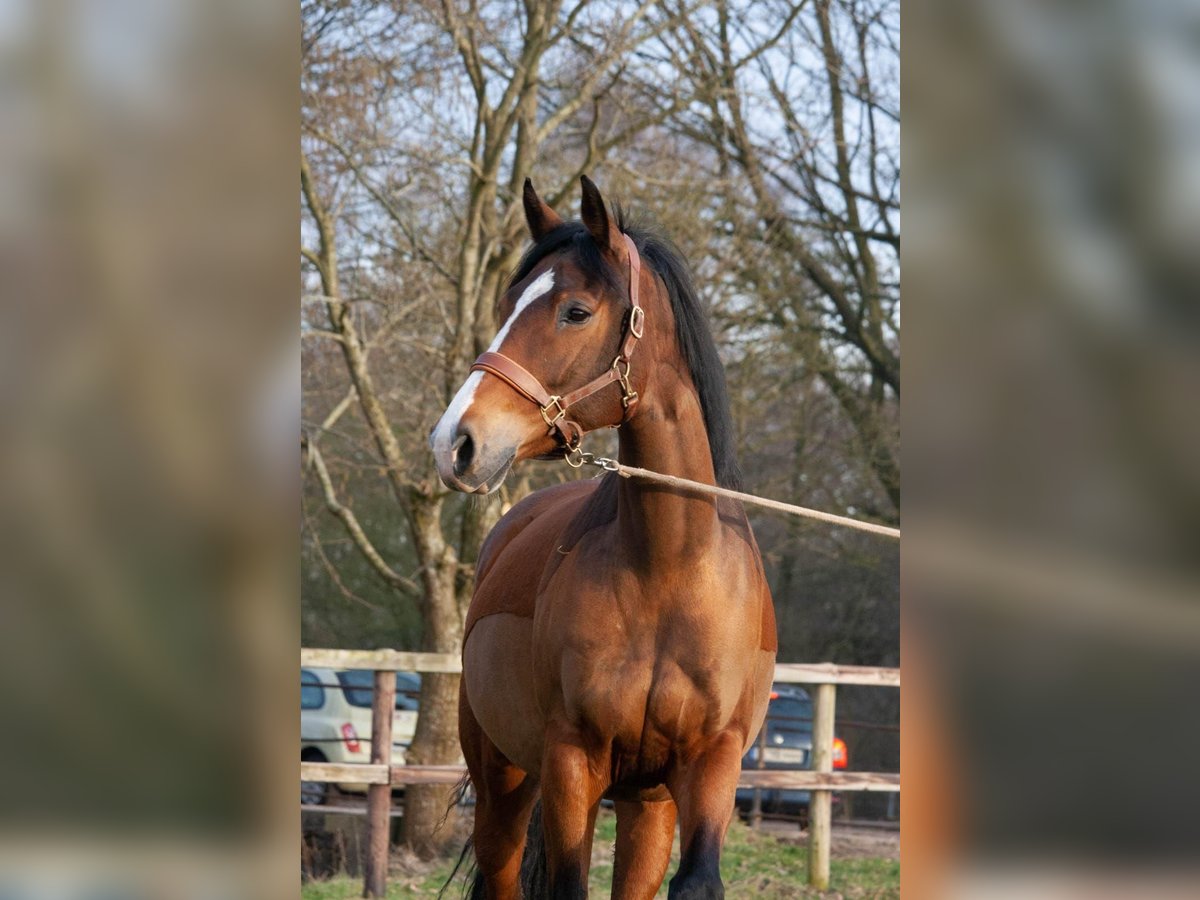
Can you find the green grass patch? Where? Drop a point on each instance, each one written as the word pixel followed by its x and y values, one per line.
pixel 754 864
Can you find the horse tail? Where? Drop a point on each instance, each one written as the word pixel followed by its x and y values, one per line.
pixel 478 890
pixel 535 873
pixel 475 889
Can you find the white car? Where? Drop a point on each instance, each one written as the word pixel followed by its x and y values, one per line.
pixel 335 721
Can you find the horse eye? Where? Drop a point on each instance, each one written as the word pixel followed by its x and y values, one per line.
pixel 577 315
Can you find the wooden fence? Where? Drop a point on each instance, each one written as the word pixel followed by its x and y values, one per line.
pixel 380 776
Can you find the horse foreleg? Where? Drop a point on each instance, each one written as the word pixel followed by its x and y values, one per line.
pixel 504 799
pixel 704 789
pixel 645 832
pixel 571 792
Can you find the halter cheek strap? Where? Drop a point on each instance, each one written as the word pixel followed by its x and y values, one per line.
pixel 554 407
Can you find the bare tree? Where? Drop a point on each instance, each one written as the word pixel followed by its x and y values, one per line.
pixel 798 103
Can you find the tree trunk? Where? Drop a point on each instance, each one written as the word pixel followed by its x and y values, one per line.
pixel 436 739
pixel 436 742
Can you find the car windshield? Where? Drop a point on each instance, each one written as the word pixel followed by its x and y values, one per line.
pixel 358 686
pixel 791 709
pixel 312 694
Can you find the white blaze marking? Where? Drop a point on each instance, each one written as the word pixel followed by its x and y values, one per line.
pixel 447 427
pixel 538 288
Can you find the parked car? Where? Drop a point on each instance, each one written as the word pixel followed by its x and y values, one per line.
pixel 788 727
pixel 335 722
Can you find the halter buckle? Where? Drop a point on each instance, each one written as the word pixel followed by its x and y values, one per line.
pixel 562 411
pixel 637 318
pixel 628 394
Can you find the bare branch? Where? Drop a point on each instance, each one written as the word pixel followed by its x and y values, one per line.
pixel 338 411
pixel 354 529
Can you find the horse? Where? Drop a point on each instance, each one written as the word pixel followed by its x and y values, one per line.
pixel 620 642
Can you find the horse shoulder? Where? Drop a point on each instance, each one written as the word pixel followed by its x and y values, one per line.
pixel 525 513
pixel 742 549
pixel 519 548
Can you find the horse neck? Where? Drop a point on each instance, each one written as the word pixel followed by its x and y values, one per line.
pixel 664 526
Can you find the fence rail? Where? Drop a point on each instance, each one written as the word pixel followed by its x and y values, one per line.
pixel 398 776
pixel 406 661
pixel 831 673
pixel 386 660
pixel 380 777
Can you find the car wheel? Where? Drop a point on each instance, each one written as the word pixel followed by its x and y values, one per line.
pixel 313 793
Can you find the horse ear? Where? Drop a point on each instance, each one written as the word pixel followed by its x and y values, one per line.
pixel 540 217
pixel 601 226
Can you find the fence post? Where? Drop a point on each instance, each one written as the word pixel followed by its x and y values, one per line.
pixel 760 763
pixel 379 796
pixel 820 803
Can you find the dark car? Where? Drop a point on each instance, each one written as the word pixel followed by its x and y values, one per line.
pixel 788 745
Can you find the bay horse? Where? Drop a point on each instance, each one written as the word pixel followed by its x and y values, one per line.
pixel 620 641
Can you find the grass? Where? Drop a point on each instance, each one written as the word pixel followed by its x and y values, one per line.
pixel 754 864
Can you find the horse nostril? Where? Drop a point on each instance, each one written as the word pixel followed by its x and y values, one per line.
pixel 462 451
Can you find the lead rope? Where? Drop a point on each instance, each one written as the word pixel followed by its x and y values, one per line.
pixel 577 459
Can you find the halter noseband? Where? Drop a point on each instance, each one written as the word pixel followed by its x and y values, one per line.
pixel 554 407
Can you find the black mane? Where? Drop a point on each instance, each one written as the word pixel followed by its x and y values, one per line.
pixel 691 325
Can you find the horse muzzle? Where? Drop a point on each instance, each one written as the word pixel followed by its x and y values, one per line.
pixel 466 463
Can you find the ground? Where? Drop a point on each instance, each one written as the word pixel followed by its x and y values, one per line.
pixel 770 865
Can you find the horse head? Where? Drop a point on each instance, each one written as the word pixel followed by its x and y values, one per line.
pixel 560 364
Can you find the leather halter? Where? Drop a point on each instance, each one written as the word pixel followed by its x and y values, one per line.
pixel 554 407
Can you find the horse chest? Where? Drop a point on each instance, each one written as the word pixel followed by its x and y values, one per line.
pixel 644 714
pixel 646 668
pixel 651 687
